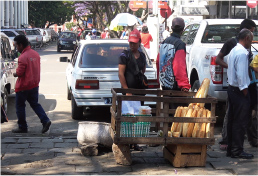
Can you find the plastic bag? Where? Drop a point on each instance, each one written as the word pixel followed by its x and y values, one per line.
pixel 130 107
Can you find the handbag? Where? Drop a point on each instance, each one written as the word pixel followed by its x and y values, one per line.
pixel 140 78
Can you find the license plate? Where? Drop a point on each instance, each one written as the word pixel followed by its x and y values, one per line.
pixel 67 46
pixel 107 100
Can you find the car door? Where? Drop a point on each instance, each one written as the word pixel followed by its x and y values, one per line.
pixel 70 67
pixel 190 45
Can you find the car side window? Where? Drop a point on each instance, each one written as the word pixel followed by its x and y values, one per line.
pixel 5 48
pixel 74 56
pixel 185 33
pixel 192 34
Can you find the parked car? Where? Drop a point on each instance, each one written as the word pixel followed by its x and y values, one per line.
pixel 8 67
pixel 67 41
pixel 11 33
pixel 204 40
pixel 34 37
pixel 93 71
pixel 21 31
pixel 46 37
pixel 85 32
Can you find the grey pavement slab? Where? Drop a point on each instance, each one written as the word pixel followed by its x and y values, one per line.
pixel 48 145
pixel 29 140
pixel 53 140
pixel 17 146
pixel 88 169
pixel 65 145
pixel 116 168
pixel 8 141
pixel 11 150
pixel 33 150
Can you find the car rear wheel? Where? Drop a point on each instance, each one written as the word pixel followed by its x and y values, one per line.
pixel 68 93
pixel 58 49
pixel 77 112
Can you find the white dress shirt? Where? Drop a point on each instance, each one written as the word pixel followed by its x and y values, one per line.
pixel 238 67
pixel 165 34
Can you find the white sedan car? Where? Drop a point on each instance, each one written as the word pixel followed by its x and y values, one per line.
pixel 93 71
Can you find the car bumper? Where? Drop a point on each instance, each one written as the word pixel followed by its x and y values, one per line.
pixel 66 46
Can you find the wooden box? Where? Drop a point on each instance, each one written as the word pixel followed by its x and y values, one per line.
pixel 183 155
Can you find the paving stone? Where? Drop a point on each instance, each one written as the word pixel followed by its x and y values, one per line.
pixel 155 160
pixel 60 169
pixel 64 145
pixel 71 140
pixel 3 146
pixel 61 150
pixel 44 153
pixel 117 168
pixel 105 173
pixel 88 169
pixel 107 160
pixel 7 150
pixel 142 167
pixel 76 150
pixel 7 171
pixel 29 140
pixel 79 162
pixel 136 160
pixel 8 141
pixel 40 164
pixel 52 140
pixel 33 150
pixel 21 170
pixel 143 154
pixel 18 146
pixel 49 145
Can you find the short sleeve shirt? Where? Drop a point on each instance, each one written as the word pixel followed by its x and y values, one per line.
pixel 146 38
pixel 141 61
pixel 228 46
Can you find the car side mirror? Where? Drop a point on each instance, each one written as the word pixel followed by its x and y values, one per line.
pixel 63 59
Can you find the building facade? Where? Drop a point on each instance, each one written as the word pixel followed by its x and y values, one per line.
pixel 14 13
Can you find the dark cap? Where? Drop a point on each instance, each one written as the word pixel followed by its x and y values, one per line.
pixel 178 23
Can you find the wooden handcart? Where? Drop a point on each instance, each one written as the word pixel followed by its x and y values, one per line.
pixel 182 151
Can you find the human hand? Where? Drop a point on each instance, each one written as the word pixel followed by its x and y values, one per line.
pixel 14 74
pixel 185 90
pixel 129 94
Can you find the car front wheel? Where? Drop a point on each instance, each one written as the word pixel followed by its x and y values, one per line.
pixel 69 94
pixel 77 112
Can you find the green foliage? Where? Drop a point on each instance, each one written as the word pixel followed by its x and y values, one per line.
pixel 69 25
pixel 56 12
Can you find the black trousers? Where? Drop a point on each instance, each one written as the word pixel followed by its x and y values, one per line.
pixel 238 118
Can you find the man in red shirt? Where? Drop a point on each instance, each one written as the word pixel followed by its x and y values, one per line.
pixel 27 85
pixel 146 38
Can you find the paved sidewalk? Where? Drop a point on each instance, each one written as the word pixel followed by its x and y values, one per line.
pixel 62 156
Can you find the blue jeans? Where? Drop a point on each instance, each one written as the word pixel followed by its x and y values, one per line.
pixel 32 97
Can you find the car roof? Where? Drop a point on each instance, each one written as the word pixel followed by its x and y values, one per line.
pixel 12 30
pixel 95 41
pixel 3 35
pixel 222 21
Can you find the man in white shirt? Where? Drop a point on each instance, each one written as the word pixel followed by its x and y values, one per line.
pixel 238 95
pixel 166 33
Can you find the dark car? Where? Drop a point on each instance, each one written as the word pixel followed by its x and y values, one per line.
pixel 67 41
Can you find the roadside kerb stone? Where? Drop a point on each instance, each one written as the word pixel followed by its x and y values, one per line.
pixel 65 145
pixel 8 141
pixel 30 140
pixel 18 146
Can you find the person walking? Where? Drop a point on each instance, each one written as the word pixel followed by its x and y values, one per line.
pixel 27 85
pixel 225 50
pixel 166 33
pixel 238 95
pixel 146 38
pixel 126 67
pixel 172 60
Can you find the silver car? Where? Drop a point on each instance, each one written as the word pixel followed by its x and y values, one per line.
pixel 93 71
pixel 34 37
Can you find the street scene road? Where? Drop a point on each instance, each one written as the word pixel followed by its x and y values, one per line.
pixel 58 152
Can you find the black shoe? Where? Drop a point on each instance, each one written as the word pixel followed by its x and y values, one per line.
pixel 243 155
pixel 46 127
pixel 20 130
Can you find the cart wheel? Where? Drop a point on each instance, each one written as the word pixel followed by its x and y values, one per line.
pixel 77 112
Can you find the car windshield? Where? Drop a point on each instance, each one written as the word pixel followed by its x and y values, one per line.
pixel 221 33
pixel 32 32
pixel 105 55
pixel 20 32
pixel 68 35
pixel 9 33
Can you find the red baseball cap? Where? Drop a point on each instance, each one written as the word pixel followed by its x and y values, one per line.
pixel 134 36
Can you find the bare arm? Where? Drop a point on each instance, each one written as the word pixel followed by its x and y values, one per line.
pixel 219 60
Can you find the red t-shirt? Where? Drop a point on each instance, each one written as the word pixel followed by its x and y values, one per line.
pixel 146 38
pixel 103 35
